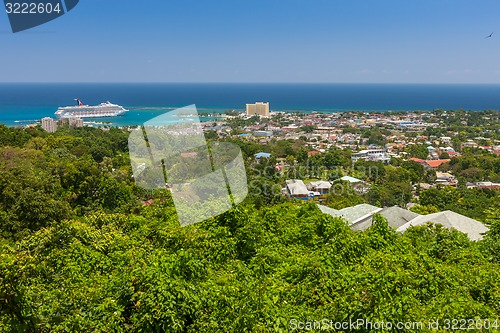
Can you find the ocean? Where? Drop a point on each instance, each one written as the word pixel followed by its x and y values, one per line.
pixel 24 103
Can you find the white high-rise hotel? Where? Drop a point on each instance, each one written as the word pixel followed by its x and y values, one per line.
pixel 49 124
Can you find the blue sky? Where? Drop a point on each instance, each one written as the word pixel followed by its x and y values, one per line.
pixel 387 41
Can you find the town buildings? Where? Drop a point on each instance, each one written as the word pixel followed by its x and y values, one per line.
pixel 371 155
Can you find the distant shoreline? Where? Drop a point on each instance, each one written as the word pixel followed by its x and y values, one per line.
pixel 205 115
pixel 31 101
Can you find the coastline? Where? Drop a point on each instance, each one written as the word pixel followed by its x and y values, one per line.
pixel 24 102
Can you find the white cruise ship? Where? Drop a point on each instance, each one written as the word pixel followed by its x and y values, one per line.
pixel 85 111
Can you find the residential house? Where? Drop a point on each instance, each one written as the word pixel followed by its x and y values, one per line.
pixel 434 164
pixel 446 179
pixel 360 217
pixel 371 155
pixel 450 220
pixel 395 215
pixel 488 185
pixel 263 134
pixel 360 186
pixel 352 214
pixel 296 189
pixel 261 155
pixel 313 152
pixel 469 144
pixel 322 187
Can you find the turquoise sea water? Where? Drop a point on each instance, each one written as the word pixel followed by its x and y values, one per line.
pixel 20 115
pixel 25 103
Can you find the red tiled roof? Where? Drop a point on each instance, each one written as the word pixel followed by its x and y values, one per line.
pixel 313 152
pixel 418 160
pixel 435 163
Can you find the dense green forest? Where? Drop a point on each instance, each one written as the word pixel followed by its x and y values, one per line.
pixel 83 249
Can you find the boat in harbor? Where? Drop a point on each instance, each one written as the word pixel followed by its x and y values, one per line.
pixel 80 110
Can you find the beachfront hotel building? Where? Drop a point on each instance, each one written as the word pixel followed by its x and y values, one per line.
pixel 75 122
pixel 49 124
pixel 259 109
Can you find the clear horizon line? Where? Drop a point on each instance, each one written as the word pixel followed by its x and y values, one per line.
pixel 234 82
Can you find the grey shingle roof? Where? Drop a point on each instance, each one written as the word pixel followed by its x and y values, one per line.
pixel 321 185
pixel 297 187
pixel 448 219
pixel 351 214
pixel 360 218
pixel 396 217
pixel 351 179
pixel 328 210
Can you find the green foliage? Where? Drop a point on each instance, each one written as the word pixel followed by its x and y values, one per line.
pixel 416 172
pixel 476 167
pixel 424 210
pixel 444 156
pixel 375 137
pixel 389 194
pixel 470 202
pixel 14 137
pixel 243 271
pixel 417 151
pixel 491 242
pixel 342 195
pixel 380 234
pixel 57 176
pixel 306 129
pixel 84 250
